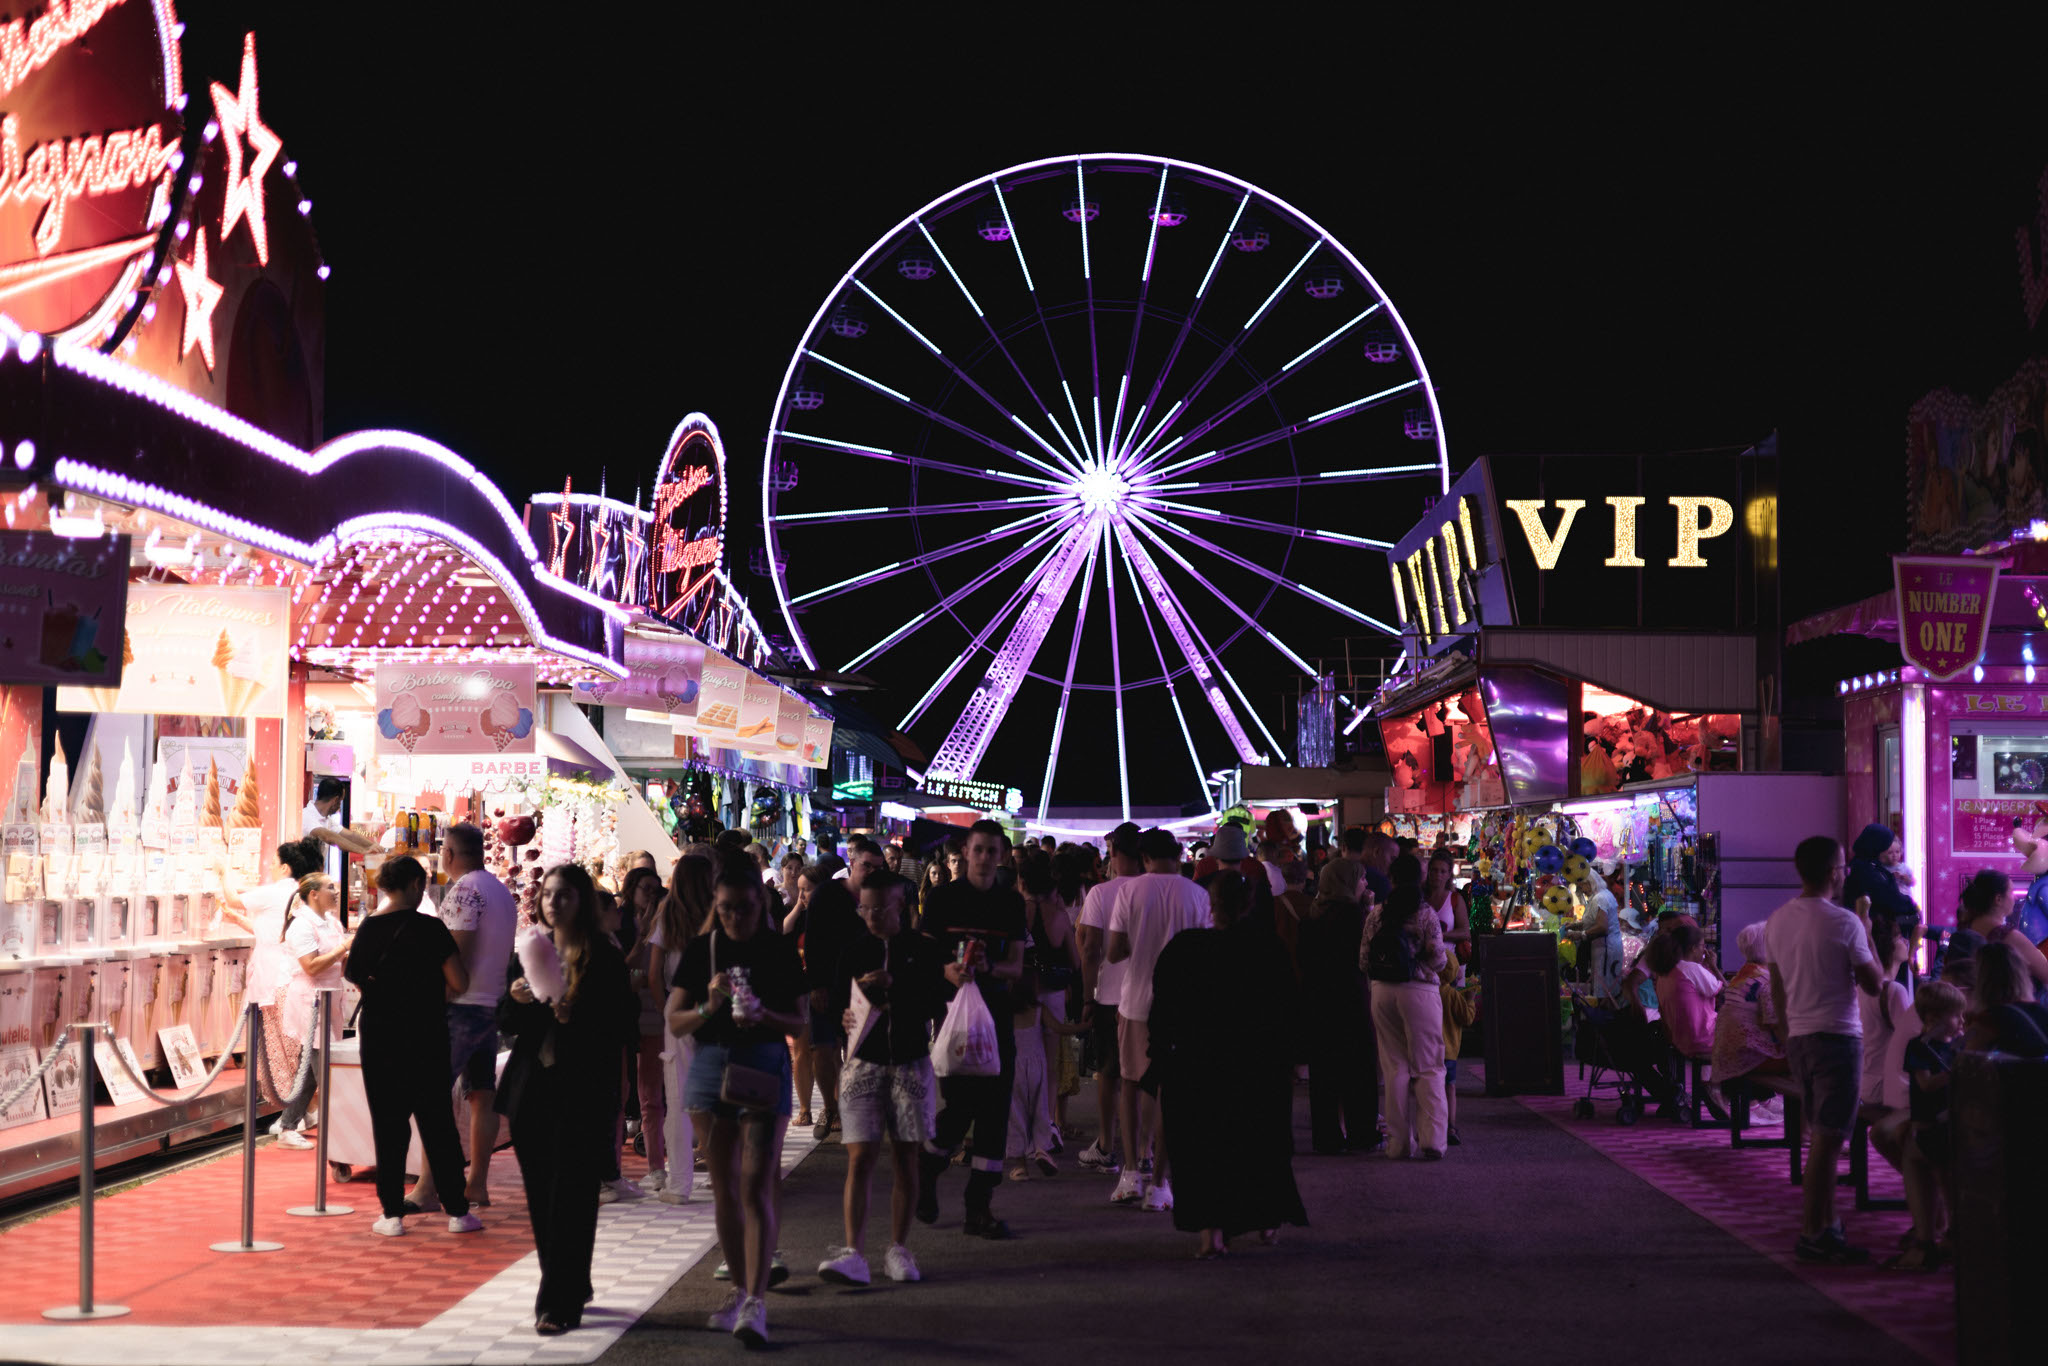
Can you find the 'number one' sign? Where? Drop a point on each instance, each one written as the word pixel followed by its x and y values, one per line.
pixel 1944 611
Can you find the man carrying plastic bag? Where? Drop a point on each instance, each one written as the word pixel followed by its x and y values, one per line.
pixel 981 928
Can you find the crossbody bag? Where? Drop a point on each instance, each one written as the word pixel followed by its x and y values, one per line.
pixel 745 1088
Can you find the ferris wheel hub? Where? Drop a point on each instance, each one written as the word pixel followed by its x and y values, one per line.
pixel 1102 491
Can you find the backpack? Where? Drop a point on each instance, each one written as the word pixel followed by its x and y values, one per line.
pixel 1054 966
pixel 1390 954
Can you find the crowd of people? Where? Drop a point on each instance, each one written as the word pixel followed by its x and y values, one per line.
pixel 942 1012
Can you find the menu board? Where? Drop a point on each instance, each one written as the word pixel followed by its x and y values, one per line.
pixel 1984 825
pixel 61 608
pixel 721 701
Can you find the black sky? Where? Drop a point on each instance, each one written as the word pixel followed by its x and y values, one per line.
pixel 554 231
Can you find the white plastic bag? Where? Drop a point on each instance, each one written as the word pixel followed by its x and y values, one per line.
pixel 965 1045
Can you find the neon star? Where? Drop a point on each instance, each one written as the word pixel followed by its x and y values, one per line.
pixel 564 523
pixel 239 120
pixel 600 537
pixel 202 293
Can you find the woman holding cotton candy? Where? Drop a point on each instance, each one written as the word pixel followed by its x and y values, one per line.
pixel 571 1012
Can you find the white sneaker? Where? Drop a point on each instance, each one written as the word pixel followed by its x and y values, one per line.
pixel 844 1267
pixel 1130 1189
pixel 389 1228
pixel 670 1195
pixel 752 1327
pixel 605 1194
pixel 899 1265
pixel 656 1181
pixel 292 1138
pixel 621 1189
pixel 1097 1159
pixel 276 1127
pixel 726 1319
pixel 465 1223
pixel 1158 1198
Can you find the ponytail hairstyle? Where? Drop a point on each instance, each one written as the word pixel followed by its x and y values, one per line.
pixel 302 895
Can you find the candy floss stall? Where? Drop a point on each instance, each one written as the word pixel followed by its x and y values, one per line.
pixel 183 559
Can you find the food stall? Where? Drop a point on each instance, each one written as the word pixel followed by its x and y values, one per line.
pixel 197 559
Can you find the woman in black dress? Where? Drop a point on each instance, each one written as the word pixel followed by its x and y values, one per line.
pixel 1222 1031
pixel 561 1090
pixel 408 969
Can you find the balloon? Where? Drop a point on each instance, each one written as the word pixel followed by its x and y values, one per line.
pixel 1557 900
pixel 1549 859
pixel 1585 848
pixel 1576 868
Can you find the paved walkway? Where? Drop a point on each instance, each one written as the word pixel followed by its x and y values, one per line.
pixel 1531 1243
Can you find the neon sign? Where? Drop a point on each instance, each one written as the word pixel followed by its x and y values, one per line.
pixel 686 539
pixel 92 92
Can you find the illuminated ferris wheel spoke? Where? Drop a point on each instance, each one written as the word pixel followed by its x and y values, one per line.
pixel 974 585
pixel 917 461
pixel 1149 520
pixel 1088 279
pixel 1145 497
pixel 1322 419
pixel 981 637
pixel 1265 386
pixel 1185 635
pixel 896 567
pixel 1165 674
pixel 1229 352
pixel 927 413
pixel 1111 452
pixel 923 509
pixel 1209 489
pixel 1059 722
pixel 1188 323
pixel 1292 655
pixel 1116 666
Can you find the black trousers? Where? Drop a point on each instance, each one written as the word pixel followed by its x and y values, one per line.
pixel 980 1105
pixel 1343 1078
pixel 406 1082
pixel 562 1150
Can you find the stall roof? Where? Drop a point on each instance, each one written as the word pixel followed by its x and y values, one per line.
pixel 1877 616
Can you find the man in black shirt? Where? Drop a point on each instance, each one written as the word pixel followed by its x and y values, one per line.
pixel 981 929
pixel 830 924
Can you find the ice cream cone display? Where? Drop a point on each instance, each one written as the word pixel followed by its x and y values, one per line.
pixel 57 788
pixel 241 677
pixel 21 803
pixel 224 655
pixel 184 806
pixel 122 814
pixel 248 813
pixel 209 809
pixel 92 799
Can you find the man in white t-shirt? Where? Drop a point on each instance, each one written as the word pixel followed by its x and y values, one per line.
pixel 1820 958
pixel 321 820
pixel 1149 910
pixel 1101 986
pixel 482 917
pixel 1270 854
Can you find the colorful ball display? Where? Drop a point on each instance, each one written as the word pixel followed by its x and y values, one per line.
pixel 1549 859
pixel 1556 900
pixel 1576 868
pixel 1585 848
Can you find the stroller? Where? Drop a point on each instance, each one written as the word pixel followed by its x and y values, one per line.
pixel 1596 1045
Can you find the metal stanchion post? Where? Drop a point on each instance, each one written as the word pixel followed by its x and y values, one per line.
pixel 87 1178
pixel 320 1209
pixel 252 1033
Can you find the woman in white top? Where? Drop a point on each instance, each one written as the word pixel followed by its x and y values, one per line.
pixel 263 910
pixel 1402 954
pixel 1886 1017
pixel 316 947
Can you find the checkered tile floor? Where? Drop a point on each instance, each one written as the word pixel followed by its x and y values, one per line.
pixel 336 1293
pixel 1749 1193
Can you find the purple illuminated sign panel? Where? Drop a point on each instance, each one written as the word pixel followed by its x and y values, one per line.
pixel 1944 611
pixel 62 604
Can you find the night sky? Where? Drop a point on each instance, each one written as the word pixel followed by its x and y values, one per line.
pixel 550 241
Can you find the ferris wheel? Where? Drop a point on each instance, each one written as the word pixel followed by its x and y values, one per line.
pixel 1064 435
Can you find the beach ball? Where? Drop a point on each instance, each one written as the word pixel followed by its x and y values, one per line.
pixel 1576 868
pixel 1585 848
pixel 1549 859
pixel 1556 900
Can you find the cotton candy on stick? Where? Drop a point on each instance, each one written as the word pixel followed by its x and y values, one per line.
pixel 541 964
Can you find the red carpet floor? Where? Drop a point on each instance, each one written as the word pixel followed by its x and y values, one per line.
pixel 1749 1193
pixel 153 1251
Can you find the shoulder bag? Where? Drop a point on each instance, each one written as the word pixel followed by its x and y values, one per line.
pixel 745 1088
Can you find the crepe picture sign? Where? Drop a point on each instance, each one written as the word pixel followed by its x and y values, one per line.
pixel 472 709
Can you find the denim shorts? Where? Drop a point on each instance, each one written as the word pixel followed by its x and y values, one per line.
pixel 473 1046
pixel 707 1075
pixel 825 1028
pixel 1829 1070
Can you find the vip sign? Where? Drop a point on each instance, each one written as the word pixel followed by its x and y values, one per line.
pixel 1435 575
pixel 90 94
pixel 1699 520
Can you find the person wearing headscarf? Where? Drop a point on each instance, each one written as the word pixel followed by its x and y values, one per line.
pixel 1873 864
pixel 1343 1079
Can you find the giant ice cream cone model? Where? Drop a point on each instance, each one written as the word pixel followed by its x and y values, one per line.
pixel 209 809
pixel 184 807
pixel 57 788
pixel 122 814
pixel 224 655
pixel 92 799
pixel 103 698
pixel 248 814
pixel 21 803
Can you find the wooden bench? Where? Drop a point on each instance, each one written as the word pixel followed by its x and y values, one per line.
pixel 1742 1091
pixel 1859 1167
pixel 1696 1109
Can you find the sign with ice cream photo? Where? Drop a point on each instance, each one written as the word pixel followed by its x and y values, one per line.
pixel 62 602
pixel 455 709
pixel 188 650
